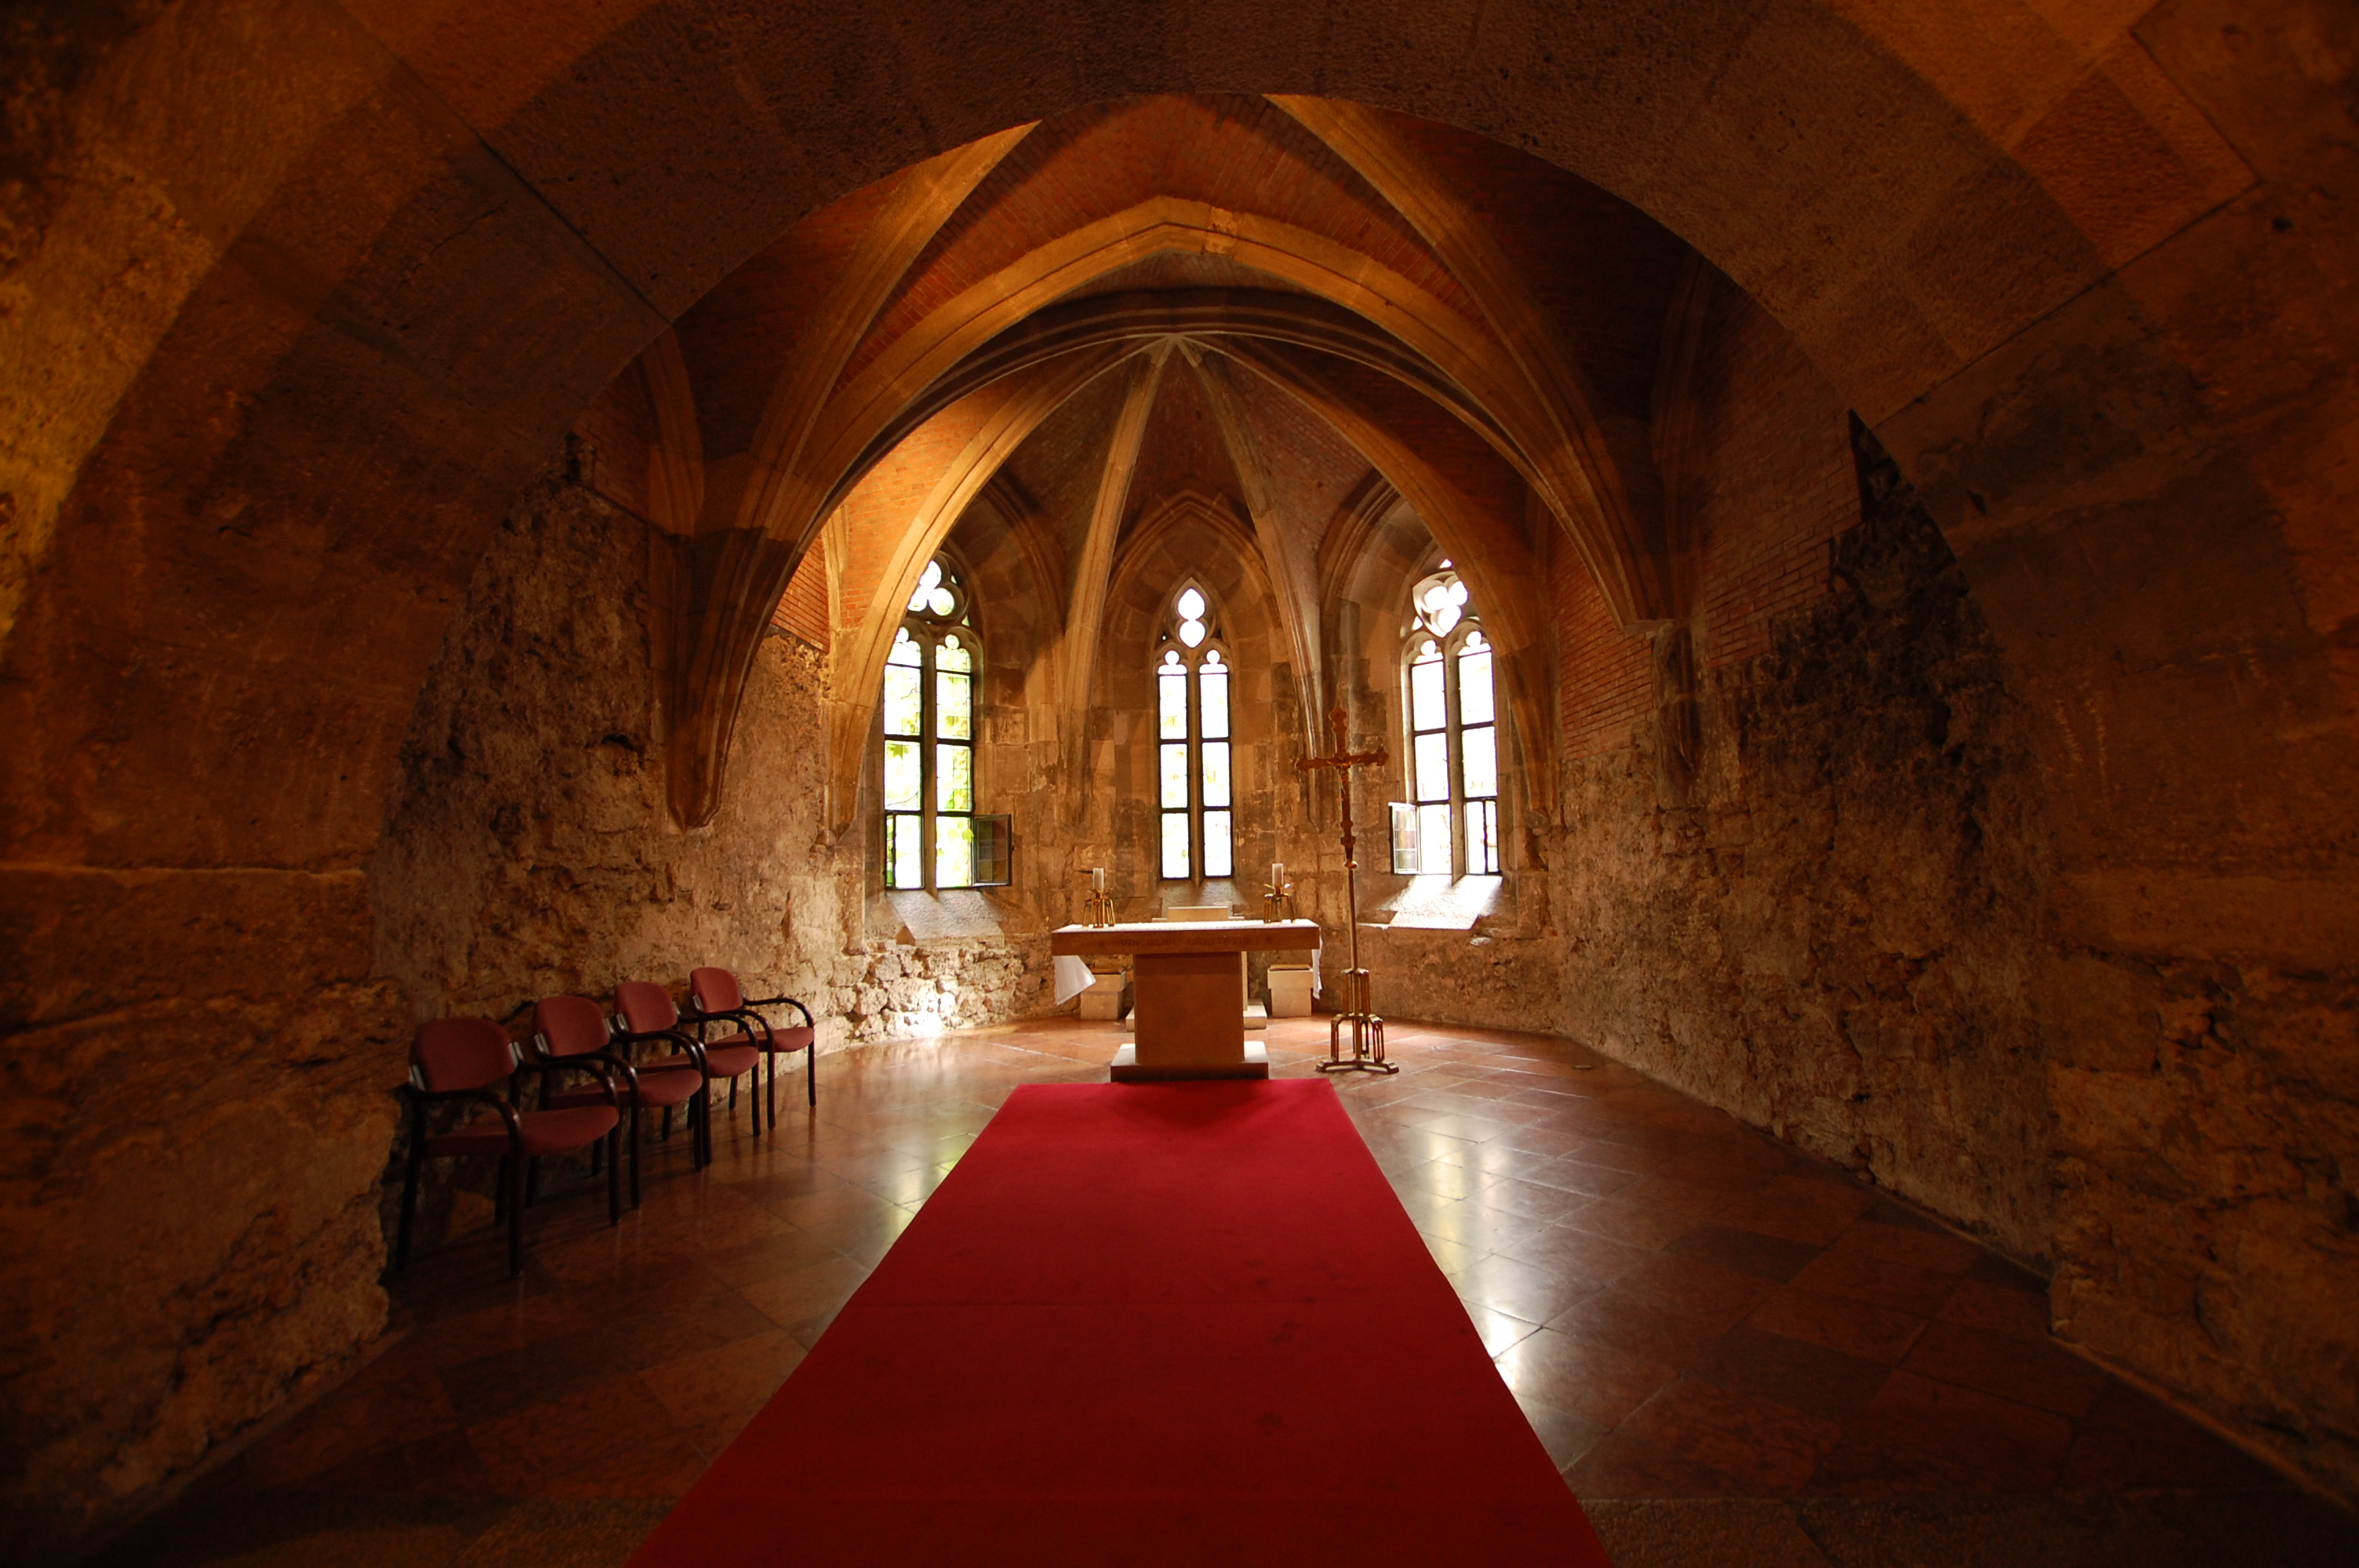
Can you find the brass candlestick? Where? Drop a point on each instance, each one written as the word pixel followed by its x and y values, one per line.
pixel 1097 908
pixel 1278 904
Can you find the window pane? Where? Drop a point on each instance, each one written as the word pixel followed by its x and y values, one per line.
pixel 1474 687
pixel 1481 750
pixel 1213 688
pixel 903 784
pixel 1425 695
pixel 1171 692
pixel 1217 774
pixel 1216 844
pixel 1433 768
pixel 953 711
pixel 954 776
pixel 1481 838
pixel 1175 774
pixel 954 655
pixel 905 651
pixel 954 851
pixel 1175 844
pixel 905 864
pixel 1191 605
pixel 1433 840
pixel 1405 857
pixel 902 716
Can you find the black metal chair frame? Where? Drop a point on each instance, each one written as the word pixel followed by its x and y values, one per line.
pixel 749 1021
pixel 509 1193
pixel 700 1109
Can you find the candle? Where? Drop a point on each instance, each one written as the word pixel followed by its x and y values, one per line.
pixel 1278 876
pixel 1097 879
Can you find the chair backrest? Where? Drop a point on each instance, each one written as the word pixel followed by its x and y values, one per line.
pixel 569 1025
pixel 461 1054
pixel 645 1007
pixel 715 990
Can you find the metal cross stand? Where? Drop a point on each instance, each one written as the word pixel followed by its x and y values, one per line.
pixel 1367 1029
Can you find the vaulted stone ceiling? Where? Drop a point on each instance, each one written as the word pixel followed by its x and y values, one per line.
pixel 1261 303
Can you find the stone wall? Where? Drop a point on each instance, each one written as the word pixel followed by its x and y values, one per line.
pixel 1834 937
pixel 529 851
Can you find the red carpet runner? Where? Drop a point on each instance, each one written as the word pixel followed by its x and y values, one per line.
pixel 1144 1323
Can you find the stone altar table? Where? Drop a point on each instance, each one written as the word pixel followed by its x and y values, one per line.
pixel 1185 980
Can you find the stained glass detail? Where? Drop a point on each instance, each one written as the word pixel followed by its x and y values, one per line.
pixel 1212 695
pixel 1175 844
pixel 1174 775
pixel 1171 698
pixel 1216 778
pixel 1216 840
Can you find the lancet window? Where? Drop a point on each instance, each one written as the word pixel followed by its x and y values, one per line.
pixel 928 715
pixel 1450 825
pixel 1193 784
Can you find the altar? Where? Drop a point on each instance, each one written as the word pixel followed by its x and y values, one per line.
pixel 1186 980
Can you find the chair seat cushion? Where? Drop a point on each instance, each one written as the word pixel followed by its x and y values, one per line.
pixel 545 1133
pixel 655 1089
pixel 731 1059
pixel 781 1039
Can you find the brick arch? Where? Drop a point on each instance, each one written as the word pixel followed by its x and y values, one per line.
pixel 288 377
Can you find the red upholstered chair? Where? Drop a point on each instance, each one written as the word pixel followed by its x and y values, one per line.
pixel 715 998
pixel 570 1032
pixel 647 1014
pixel 461 1059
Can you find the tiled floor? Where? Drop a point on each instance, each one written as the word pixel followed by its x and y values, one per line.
pixel 1737 1354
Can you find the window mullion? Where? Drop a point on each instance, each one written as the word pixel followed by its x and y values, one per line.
pixel 926 761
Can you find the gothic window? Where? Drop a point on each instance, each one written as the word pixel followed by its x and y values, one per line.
pixel 1191 739
pixel 928 710
pixel 1452 824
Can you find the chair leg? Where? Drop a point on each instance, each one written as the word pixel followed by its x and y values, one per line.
pixel 635 1153
pixel 614 1172
pixel 773 1057
pixel 516 1214
pixel 410 1198
pixel 667 1126
pixel 810 1074
pixel 597 1154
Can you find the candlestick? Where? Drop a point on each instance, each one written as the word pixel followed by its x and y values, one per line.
pixel 1278 874
pixel 1097 879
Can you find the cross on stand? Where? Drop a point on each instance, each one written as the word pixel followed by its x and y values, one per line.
pixel 1367 1029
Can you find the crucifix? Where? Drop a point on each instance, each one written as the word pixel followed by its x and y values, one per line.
pixel 1367 1029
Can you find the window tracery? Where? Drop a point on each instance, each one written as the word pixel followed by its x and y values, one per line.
pixel 928 708
pixel 1450 825
pixel 1194 786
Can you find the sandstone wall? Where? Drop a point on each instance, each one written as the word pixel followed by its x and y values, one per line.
pixel 528 849
pixel 1833 936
